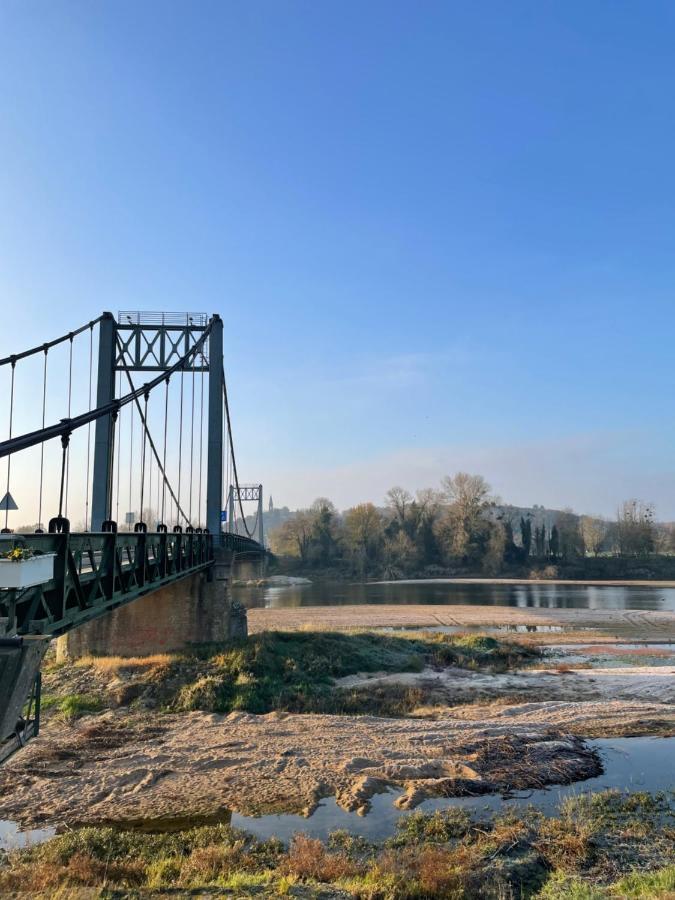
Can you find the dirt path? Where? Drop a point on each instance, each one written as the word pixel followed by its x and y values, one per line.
pixel 118 767
pixel 598 625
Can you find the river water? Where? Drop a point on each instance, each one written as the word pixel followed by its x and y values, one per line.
pixel 545 596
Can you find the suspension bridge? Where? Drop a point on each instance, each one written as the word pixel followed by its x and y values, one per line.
pixel 151 471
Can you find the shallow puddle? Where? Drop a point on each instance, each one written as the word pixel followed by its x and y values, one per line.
pixel 12 838
pixel 616 655
pixel 631 764
pixel 483 629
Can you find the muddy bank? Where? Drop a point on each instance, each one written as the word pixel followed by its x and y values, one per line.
pixel 118 767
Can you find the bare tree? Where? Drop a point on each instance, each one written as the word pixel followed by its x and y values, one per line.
pixel 635 528
pixel 293 537
pixel 399 500
pixel 469 497
pixel 593 532
pixel 363 529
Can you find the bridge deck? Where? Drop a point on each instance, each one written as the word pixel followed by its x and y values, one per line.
pixel 96 572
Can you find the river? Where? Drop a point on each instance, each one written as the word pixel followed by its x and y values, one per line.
pixel 533 595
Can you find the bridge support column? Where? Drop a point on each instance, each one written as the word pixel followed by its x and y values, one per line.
pixel 196 609
pixel 214 462
pixel 103 435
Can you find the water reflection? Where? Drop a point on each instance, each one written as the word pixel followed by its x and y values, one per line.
pixel 540 596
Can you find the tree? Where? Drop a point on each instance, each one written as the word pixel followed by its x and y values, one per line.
pixel 363 531
pixel 399 501
pixel 554 543
pixel 293 537
pixel 494 554
pixel 526 534
pixel 427 512
pixel 540 541
pixel 400 555
pixel 466 528
pixel 593 533
pixel 636 530
pixel 323 530
pixel 569 536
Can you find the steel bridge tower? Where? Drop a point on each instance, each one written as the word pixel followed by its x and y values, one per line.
pixel 237 494
pixel 154 342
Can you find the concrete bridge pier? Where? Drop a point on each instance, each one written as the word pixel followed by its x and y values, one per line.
pixel 20 660
pixel 196 609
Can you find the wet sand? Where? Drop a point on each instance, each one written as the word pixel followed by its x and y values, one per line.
pixel 122 768
pixel 597 625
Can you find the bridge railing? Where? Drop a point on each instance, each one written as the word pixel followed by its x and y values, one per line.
pixel 95 572
pixel 239 544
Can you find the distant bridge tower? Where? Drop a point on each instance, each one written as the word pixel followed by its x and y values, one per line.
pixel 236 497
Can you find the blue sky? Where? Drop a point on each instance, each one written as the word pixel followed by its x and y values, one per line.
pixel 440 235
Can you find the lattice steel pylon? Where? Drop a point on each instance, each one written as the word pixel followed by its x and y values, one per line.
pixel 241 494
pixel 154 342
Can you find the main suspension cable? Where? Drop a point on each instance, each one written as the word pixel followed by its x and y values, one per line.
pixel 14 358
pixel 67 426
pixel 234 461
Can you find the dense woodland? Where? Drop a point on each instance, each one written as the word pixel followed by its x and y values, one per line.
pixel 462 528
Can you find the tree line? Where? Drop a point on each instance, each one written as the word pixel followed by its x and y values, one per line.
pixel 460 526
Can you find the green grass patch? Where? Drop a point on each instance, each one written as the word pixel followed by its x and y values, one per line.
pixel 72 706
pixel 295 671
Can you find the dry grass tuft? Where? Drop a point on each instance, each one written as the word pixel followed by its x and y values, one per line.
pixel 110 665
pixel 566 844
pixel 207 864
pixel 308 858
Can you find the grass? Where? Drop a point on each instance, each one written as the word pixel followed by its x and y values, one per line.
pixel 606 846
pixel 113 665
pixel 72 706
pixel 295 671
pixel 289 671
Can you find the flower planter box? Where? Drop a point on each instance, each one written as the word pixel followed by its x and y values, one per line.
pixel 25 573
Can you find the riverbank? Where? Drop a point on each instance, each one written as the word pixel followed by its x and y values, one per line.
pixel 352 716
pixel 545 625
